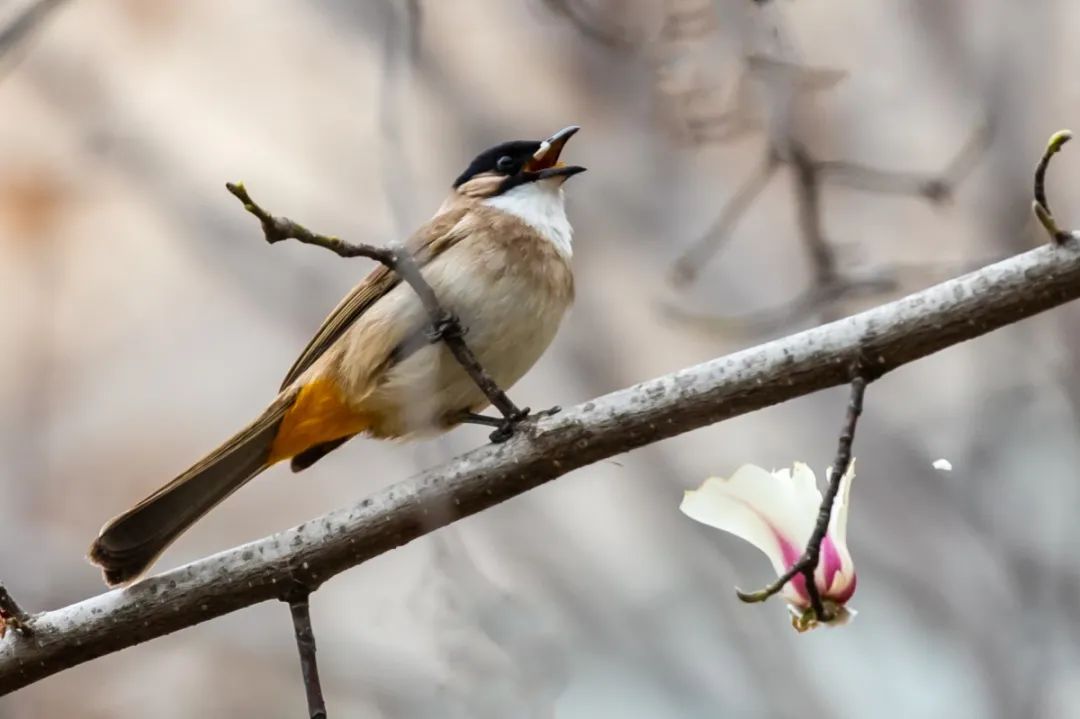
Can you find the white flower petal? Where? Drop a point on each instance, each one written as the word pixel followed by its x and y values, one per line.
pixel 943 464
pixel 838 520
pixel 764 508
pixel 807 496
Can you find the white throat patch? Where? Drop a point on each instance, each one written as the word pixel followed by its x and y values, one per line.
pixel 541 206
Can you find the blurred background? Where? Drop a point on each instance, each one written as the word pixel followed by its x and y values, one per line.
pixel 803 159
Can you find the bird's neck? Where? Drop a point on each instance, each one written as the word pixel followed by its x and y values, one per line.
pixel 541 206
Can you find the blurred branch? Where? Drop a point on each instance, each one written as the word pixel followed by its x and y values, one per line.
pixel 401 50
pixel 809 175
pixel 688 264
pixel 12 615
pixel 775 318
pixel 808 202
pixel 829 284
pixel 808 562
pixel 29 19
pixel 935 188
pixel 444 325
pixel 414 18
pixel 889 336
pixel 305 645
pixel 774 83
pixel 582 18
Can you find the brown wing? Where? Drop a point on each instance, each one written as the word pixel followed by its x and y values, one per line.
pixel 428 242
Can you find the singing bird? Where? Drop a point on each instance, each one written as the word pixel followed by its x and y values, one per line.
pixel 497 254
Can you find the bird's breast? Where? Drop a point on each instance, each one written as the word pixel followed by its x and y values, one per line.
pixel 509 287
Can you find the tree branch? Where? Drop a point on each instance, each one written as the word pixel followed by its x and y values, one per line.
pixel 29 19
pixel 13 616
pixel 305 645
pixel 686 267
pixel 809 174
pixel 445 326
pixel 888 336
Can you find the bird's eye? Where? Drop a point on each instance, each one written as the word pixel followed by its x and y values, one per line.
pixel 507 165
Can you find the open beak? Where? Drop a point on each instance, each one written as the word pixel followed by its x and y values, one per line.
pixel 547 157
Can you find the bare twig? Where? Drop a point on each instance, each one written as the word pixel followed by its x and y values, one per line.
pixel 305 645
pixel 12 616
pixel 689 263
pixel 28 19
pixel 590 27
pixel 808 200
pixel 810 173
pixel 934 188
pixel 891 335
pixel 830 285
pixel 773 319
pixel 808 562
pixel 1040 205
pixel 445 326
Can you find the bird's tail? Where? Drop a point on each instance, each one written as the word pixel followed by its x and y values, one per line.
pixel 129 544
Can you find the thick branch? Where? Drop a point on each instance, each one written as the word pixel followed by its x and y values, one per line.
pixel 888 337
pixel 445 325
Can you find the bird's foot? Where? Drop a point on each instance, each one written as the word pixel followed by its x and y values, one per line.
pixel 505 427
pixel 508 425
pixel 446 327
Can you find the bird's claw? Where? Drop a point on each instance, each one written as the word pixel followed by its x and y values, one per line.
pixel 509 425
pixel 446 327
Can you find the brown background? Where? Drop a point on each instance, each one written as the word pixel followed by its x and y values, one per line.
pixel 144 320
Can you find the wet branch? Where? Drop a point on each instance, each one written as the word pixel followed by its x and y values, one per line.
pixel 445 325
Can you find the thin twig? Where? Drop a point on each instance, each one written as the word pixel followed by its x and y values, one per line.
pixel 774 318
pixel 305 645
pixel 445 325
pixel 590 27
pixel 808 562
pixel 810 175
pixel 808 200
pixel 12 616
pixel 872 179
pixel 1040 205
pixel 935 188
pixel 29 19
pixel 690 262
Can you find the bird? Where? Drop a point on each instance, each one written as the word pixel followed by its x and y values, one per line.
pixel 497 254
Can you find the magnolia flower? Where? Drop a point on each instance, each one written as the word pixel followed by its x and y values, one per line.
pixel 776 512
